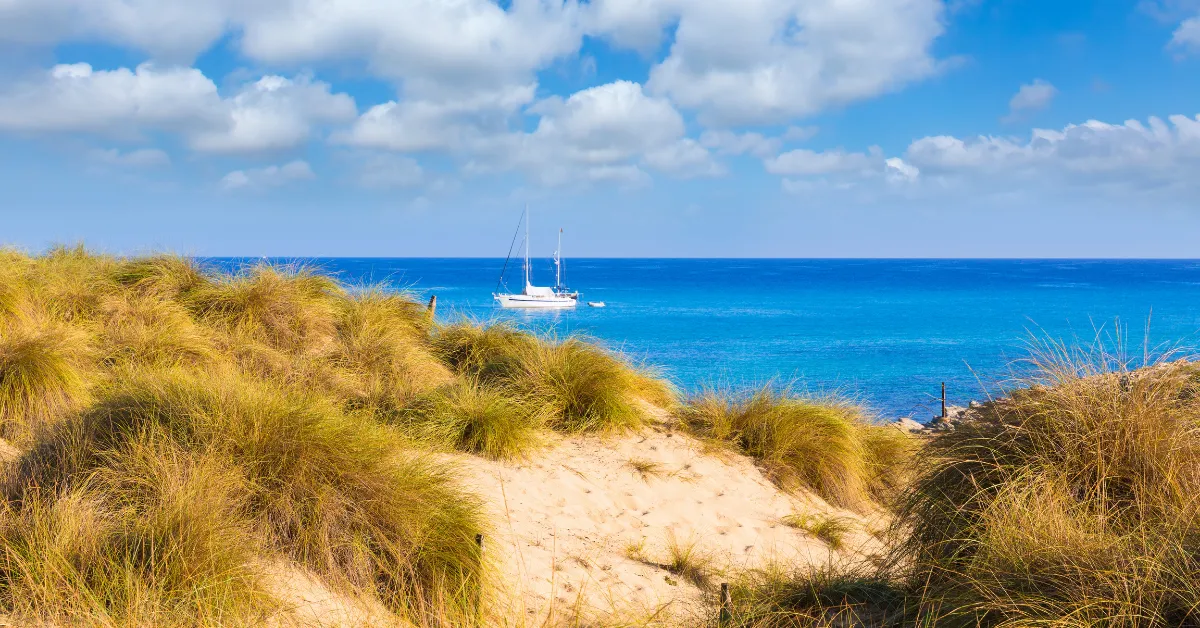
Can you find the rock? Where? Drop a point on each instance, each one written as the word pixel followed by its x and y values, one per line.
pixel 908 425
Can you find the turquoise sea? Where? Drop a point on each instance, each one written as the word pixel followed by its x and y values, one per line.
pixel 886 332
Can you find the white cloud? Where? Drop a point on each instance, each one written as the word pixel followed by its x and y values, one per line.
pixel 140 158
pixel 730 143
pixel 1133 154
pixel 1187 36
pixel 602 134
pixel 1031 97
pixel 1155 161
pixel 685 158
pixel 115 102
pixel 391 171
pixel 768 61
pixel 270 114
pixel 804 162
pixel 437 48
pixel 607 123
pixel 275 113
pixel 174 30
pixel 734 61
pixel 448 124
pixel 271 176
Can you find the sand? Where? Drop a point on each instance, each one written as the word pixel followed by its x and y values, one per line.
pixel 581 530
pixel 584 530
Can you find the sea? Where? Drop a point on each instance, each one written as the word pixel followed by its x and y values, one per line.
pixel 884 333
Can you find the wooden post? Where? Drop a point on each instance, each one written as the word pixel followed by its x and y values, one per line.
pixel 432 306
pixel 943 400
pixel 726 606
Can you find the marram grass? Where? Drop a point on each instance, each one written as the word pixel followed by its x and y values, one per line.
pixel 182 433
pixel 826 446
pixel 1070 502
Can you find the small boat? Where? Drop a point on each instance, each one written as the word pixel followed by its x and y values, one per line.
pixel 536 297
pixel 595 303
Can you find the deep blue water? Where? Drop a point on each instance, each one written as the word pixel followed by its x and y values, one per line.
pixel 886 332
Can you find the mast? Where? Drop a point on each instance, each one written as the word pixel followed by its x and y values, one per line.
pixel 527 245
pixel 558 261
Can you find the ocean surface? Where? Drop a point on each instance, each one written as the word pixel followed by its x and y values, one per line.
pixel 884 332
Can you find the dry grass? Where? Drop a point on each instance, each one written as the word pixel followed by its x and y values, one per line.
pixel 825 446
pixel 646 469
pixel 1071 502
pixel 42 374
pixel 829 529
pixel 585 388
pixel 477 420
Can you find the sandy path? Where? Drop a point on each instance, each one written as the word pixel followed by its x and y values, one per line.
pixel 569 522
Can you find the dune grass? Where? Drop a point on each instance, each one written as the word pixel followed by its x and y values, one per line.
pixel 825 446
pixel 585 388
pixel 473 419
pixel 1070 502
pixel 332 492
pixel 42 374
pixel 830 529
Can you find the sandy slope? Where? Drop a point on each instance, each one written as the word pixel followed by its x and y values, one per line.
pixel 580 532
pixel 569 521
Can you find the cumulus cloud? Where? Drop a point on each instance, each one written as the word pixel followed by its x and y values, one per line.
pixel 77 98
pixel 1187 36
pixel 730 143
pixel 684 158
pixel 174 30
pixel 274 113
pixel 271 176
pixel 735 62
pixel 1156 159
pixel 770 61
pixel 270 114
pixel 438 49
pixel 1031 97
pixel 390 171
pixel 433 125
pixel 1135 154
pixel 606 133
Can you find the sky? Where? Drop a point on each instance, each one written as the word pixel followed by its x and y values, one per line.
pixel 643 128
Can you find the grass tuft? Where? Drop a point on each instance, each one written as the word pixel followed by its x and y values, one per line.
pixel 42 376
pixel 293 310
pixel 824 446
pixel 476 420
pixel 829 529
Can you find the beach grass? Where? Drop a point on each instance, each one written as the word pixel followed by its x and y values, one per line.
pixel 1069 502
pixel 181 435
pixel 823 445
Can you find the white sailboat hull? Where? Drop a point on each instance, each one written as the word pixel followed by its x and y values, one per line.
pixel 515 301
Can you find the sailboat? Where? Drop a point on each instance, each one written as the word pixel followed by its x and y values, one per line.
pixel 533 296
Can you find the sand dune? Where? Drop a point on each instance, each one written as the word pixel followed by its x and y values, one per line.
pixel 581 529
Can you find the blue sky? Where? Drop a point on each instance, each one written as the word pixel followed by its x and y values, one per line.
pixel 700 128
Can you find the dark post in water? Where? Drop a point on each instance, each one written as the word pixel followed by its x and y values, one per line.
pixel 943 400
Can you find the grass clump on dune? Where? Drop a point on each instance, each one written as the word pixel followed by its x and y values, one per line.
pixel 153 540
pixel 329 491
pixel 826 447
pixel 1071 502
pixel 291 310
pixel 382 344
pixel 42 375
pixel 476 420
pixel 166 276
pixel 137 329
pixel 585 388
pixel 1073 499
